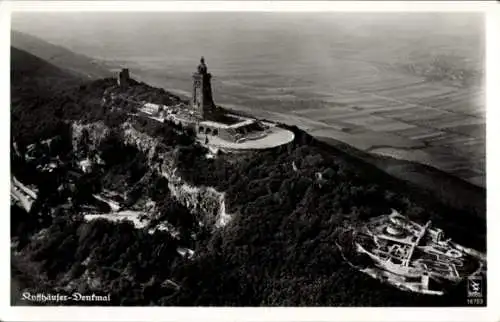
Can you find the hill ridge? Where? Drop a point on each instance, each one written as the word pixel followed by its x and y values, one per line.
pixel 59 56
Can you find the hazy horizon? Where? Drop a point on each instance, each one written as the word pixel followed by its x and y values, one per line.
pixel 315 47
pixel 86 33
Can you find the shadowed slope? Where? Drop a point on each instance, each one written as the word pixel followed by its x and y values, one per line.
pixel 59 56
pixel 29 70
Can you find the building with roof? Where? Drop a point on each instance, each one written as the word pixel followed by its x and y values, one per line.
pixel 152 109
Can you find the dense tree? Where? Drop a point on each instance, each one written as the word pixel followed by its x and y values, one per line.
pixel 287 205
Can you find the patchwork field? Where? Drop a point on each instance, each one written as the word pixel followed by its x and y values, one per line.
pixel 390 113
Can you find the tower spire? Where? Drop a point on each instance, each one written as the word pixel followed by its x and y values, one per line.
pixel 202 101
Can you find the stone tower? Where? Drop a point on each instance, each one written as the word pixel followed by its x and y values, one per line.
pixel 202 101
pixel 123 78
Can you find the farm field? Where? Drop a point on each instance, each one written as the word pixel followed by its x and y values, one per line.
pixel 393 114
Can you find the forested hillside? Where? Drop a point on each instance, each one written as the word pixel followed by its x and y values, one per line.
pixel 287 206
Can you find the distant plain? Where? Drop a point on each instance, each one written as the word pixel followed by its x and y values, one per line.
pixel 404 85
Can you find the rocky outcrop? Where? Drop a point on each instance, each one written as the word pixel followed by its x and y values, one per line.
pixel 206 201
pixel 202 200
pixel 145 143
pixel 93 133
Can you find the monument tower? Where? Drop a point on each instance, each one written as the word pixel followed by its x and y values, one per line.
pixel 202 101
pixel 123 78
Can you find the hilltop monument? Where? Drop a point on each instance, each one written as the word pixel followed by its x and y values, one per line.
pixel 202 101
pixel 215 126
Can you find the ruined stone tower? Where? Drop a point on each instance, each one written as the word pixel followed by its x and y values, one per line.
pixel 123 78
pixel 202 101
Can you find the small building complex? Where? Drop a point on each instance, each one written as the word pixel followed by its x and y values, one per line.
pixel 410 256
pixel 215 127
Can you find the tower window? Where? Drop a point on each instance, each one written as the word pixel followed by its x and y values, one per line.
pixel 216 132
